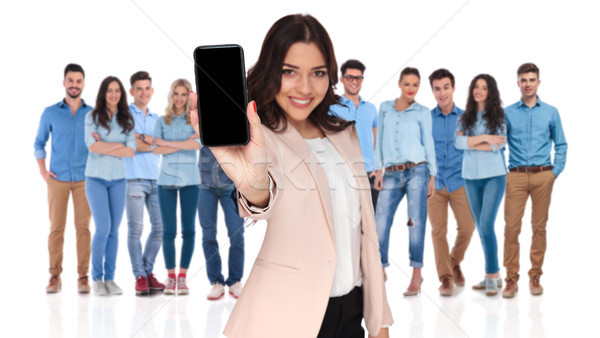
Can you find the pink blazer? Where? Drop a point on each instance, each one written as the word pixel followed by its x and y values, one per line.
pixel 288 288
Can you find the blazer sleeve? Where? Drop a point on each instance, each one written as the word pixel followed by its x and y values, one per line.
pixel 275 188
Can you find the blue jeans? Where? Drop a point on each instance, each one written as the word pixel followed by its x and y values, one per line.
pixel 207 214
pixel 107 203
pixel 167 196
pixel 412 182
pixel 142 192
pixel 484 197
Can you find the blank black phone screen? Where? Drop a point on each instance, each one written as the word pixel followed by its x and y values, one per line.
pixel 222 95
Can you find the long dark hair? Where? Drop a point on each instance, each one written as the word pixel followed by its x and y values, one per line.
pixel 264 78
pixel 100 115
pixel 494 114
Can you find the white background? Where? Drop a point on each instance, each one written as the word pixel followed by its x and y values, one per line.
pixel 39 38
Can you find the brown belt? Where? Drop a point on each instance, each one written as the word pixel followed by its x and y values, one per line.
pixel 535 169
pixel 403 166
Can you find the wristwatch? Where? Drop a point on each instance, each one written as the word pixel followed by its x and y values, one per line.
pixel 142 137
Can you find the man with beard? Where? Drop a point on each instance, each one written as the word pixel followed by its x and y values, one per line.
pixel 533 127
pixel 65 121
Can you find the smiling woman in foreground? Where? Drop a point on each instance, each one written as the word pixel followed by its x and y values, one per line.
pixel 318 273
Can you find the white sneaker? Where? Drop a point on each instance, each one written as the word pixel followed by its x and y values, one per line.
pixel 112 287
pixel 482 285
pixel 99 288
pixel 170 286
pixel 182 288
pixel 216 292
pixel 235 290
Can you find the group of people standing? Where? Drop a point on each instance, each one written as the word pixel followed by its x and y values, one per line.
pixel 327 173
pixel 447 156
pixel 107 157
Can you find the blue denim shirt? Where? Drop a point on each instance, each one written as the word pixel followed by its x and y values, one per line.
pixel 479 164
pixel 404 136
pixel 211 173
pixel 69 153
pixel 531 132
pixel 142 165
pixel 103 166
pixel 365 116
pixel 449 159
pixel 180 168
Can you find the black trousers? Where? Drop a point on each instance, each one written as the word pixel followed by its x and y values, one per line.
pixel 343 316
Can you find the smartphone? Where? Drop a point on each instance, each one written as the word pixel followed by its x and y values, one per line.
pixel 222 95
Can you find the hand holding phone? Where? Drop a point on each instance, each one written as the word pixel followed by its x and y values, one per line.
pixel 245 165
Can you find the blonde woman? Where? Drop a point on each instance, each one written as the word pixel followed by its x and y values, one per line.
pixel 175 139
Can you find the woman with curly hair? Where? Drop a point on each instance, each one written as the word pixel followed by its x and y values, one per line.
pixel 481 132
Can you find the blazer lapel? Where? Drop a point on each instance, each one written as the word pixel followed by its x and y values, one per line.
pixel 295 141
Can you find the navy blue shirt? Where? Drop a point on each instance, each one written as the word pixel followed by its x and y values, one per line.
pixel 211 173
pixel 69 152
pixel 448 158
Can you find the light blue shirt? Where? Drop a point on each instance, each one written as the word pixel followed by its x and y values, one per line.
pixel 479 164
pixel 531 132
pixel 448 158
pixel 404 136
pixel 69 153
pixel 365 116
pixel 144 164
pixel 103 166
pixel 180 168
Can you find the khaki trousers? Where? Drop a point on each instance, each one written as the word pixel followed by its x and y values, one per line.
pixel 519 186
pixel 437 208
pixel 58 199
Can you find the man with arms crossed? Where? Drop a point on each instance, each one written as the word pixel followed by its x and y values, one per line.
pixel 532 127
pixel 353 108
pixel 142 188
pixel 449 186
pixel 65 121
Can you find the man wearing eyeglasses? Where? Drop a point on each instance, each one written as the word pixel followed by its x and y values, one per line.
pixel 352 107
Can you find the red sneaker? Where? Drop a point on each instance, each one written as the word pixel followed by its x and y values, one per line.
pixel 141 286
pixel 154 284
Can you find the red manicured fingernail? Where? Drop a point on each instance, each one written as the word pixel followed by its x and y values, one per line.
pixel 254 104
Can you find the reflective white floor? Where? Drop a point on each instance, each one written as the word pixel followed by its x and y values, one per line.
pixel 466 314
pixel 568 307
